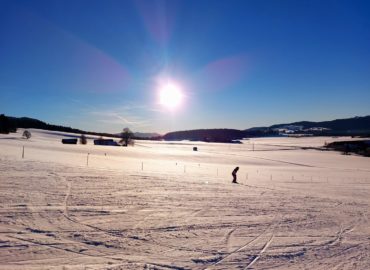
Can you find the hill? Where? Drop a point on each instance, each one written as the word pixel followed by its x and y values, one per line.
pixel 355 126
pixel 26 122
pixel 207 135
pixel 12 123
pixel 355 123
pixel 349 126
pixel 145 135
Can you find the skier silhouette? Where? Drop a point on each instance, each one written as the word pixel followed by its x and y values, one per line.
pixel 234 174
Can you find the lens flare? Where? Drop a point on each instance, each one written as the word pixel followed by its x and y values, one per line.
pixel 170 96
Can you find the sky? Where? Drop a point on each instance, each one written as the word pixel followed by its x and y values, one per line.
pixel 100 65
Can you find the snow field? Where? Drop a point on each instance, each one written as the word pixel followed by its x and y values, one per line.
pixel 160 205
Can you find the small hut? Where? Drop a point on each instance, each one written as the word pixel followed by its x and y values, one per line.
pixel 109 142
pixel 69 141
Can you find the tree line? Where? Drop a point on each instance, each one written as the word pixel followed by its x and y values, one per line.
pixel 10 124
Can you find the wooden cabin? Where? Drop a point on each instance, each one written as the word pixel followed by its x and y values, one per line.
pixel 109 142
pixel 69 141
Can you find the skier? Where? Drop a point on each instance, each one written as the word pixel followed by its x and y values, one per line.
pixel 234 174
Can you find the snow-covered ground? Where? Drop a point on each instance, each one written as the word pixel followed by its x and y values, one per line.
pixel 161 205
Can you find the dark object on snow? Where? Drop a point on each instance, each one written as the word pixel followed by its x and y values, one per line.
pixel 109 142
pixel 234 174
pixel 69 141
pixel 195 148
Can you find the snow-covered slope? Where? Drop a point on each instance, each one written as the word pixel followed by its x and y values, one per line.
pixel 161 205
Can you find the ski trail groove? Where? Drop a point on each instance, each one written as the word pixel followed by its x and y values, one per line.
pixel 66 212
pixel 267 244
pixel 66 198
pixel 242 247
pixel 69 250
pixel 228 239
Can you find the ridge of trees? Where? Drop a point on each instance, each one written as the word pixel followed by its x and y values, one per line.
pixel 10 124
pixel 355 126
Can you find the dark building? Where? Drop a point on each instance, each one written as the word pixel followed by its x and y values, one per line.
pixel 69 141
pixel 109 142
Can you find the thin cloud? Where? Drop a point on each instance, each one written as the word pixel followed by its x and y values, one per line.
pixel 130 114
pixel 125 115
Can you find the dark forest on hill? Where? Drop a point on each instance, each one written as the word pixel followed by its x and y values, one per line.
pixel 356 126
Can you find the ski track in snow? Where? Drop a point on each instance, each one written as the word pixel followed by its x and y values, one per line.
pixel 295 209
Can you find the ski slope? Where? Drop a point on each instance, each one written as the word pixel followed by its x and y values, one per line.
pixel 160 205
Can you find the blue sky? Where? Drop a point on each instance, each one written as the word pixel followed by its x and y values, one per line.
pixel 98 65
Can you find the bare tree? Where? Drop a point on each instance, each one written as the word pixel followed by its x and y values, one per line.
pixel 127 137
pixel 26 134
pixel 83 139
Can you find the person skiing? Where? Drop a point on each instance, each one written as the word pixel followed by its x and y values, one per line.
pixel 234 174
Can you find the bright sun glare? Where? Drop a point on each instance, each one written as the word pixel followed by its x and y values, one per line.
pixel 170 96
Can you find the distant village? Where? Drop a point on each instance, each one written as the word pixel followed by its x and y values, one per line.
pixel 298 130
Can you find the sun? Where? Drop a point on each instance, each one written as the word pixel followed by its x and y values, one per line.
pixel 170 96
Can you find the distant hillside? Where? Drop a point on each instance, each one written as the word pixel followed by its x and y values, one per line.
pixel 258 132
pixel 355 123
pixel 146 135
pixel 350 126
pixel 357 126
pixel 26 122
pixel 207 135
